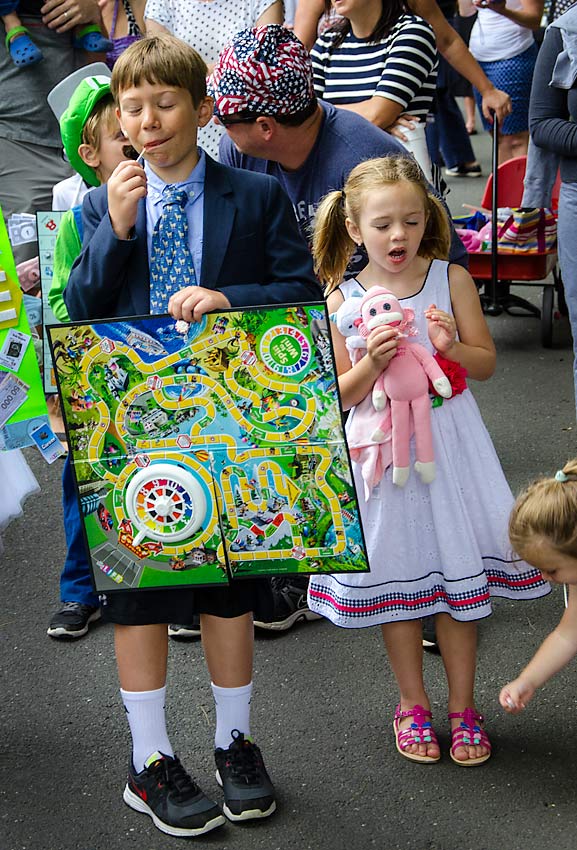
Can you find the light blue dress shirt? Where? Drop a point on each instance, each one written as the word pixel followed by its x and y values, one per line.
pixel 194 208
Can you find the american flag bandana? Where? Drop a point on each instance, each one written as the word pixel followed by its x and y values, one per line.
pixel 265 70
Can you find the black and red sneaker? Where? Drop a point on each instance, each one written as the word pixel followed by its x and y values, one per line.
pixel 248 790
pixel 165 792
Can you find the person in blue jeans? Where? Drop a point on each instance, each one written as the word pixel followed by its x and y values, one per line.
pixel 447 135
pixel 81 606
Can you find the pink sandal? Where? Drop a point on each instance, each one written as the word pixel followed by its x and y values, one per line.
pixel 469 734
pixel 419 732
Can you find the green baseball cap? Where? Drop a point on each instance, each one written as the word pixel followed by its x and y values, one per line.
pixel 85 97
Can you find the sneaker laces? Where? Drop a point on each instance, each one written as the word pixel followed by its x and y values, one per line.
pixel 243 759
pixel 176 779
pixel 73 607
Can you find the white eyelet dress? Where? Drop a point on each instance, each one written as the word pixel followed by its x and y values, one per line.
pixel 440 547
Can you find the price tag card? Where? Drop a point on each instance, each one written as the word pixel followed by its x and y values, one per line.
pixel 13 349
pixel 13 394
pixel 49 445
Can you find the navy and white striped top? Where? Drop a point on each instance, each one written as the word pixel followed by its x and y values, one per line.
pixel 401 67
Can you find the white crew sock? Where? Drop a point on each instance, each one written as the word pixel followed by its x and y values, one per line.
pixel 146 718
pixel 232 712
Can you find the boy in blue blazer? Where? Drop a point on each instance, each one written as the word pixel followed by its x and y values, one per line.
pixel 244 249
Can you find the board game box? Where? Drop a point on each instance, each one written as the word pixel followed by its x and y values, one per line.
pixel 208 451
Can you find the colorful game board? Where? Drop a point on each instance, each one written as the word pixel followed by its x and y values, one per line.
pixel 208 451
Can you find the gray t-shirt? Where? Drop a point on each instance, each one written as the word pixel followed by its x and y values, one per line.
pixel 24 113
pixel 345 139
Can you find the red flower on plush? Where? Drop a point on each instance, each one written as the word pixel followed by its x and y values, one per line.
pixel 456 374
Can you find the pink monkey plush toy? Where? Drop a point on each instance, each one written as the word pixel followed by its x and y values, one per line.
pixel 405 382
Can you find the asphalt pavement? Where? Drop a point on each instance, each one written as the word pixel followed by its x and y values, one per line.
pixel 324 698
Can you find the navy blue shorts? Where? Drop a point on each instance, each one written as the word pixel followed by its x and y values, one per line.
pixel 513 76
pixel 145 607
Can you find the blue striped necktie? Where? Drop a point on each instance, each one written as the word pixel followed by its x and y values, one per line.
pixel 171 266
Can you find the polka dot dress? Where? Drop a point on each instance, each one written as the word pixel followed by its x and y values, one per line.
pixel 206 26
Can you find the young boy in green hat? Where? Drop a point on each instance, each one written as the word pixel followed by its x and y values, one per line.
pixel 93 142
pixel 94 145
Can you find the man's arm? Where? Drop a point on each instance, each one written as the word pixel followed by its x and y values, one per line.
pixel 307 15
pixel 64 15
pixel 457 54
pixel 529 15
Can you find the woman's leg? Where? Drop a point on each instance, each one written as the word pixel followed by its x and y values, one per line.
pixel 458 644
pixel 405 650
pixel 512 145
pixel 470 114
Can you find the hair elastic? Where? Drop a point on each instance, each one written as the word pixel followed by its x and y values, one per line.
pixel 561 476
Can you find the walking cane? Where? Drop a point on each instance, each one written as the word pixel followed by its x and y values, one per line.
pixel 491 304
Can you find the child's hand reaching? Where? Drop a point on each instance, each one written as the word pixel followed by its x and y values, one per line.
pixel 442 329
pixel 515 696
pixel 126 187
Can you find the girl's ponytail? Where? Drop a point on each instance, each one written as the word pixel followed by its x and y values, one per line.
pixel 332 245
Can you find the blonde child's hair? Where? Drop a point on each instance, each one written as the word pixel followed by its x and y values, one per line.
pixel 160 59
pixel 332 244
pixel 547 512
pixel 103 116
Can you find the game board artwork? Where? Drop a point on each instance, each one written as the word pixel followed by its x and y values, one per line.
pixel 208 451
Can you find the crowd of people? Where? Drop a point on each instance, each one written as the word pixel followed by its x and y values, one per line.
pixel 330 159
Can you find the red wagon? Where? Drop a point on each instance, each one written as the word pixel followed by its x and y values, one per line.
pixel 496 272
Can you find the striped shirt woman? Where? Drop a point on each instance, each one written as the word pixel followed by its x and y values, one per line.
pixel 401 67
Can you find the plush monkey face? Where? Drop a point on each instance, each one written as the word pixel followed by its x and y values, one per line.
pixel 381 308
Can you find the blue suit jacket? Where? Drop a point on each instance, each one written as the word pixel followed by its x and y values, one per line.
pixel 252 250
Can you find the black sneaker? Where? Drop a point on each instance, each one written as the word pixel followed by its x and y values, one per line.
pixel 165 791
pixel 240 770
pixel 463 170
pixel 429 635
pixel 186 631
pixel 289 604
pixel 72 620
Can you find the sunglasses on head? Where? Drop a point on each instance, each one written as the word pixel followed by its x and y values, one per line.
pixel 229 120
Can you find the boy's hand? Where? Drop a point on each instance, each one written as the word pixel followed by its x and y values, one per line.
pixel 515 696
pixel 382 346
pixel 192 302
pixel 126 187
pixel 442 329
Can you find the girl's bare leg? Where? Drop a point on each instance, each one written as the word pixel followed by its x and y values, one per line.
pixel 404 645
pixel 458 644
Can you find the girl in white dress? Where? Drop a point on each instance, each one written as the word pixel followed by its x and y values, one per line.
pixel 438 548
pixel 18 482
